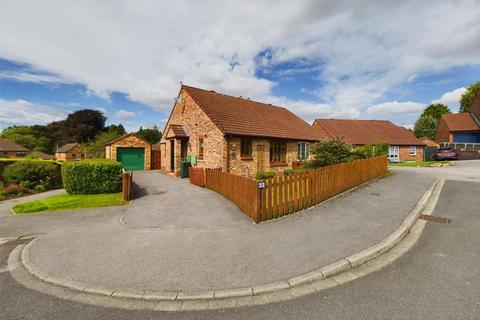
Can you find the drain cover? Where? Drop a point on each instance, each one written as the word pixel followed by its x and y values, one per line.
pixel 375 194
pixel 435 218
pixel 159 193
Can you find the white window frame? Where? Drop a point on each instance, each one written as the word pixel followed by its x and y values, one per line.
pixel 303 150
pixel 394 153
pixel 413 150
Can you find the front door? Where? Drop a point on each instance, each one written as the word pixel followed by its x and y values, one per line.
pixel 172 155
pixel 183 149
pixel 394 153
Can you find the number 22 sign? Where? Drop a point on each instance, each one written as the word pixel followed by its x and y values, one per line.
pixel 261 185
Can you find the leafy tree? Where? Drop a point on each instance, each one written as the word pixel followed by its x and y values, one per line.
pixel 116 128
pixel 80 126
pixel 425 127
pixel 436 110
pixel 96 148
pixel 151 135
pixel 467 98
pixel 329 152
pixel 37 137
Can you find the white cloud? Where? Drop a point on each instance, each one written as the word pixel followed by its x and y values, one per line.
pixel 21 112
pixel 364 49
pixel 396 108
pixel 451 98
pixel 124 115
pixel 23 76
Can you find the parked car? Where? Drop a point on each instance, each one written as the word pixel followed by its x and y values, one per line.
pixel 444 154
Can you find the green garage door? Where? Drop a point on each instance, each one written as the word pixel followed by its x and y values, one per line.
pixel 132 158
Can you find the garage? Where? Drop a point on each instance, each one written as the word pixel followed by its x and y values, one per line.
pixel 466 137
pixel 132 151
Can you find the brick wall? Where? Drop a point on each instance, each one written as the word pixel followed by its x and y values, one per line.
pixel 73 154
pixel 130 141
pixel 405 154
pixel 11 154
pixel 475 107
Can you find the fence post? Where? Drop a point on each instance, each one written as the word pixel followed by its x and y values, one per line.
pixel 258 204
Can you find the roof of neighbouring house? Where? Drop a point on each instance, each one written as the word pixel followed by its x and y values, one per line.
pixel 43 155
pixel 67 147
pixel 127 135
pixel 359 132
pixel 429 142
pixel 242 116
pixel 9 145
pixel 460 122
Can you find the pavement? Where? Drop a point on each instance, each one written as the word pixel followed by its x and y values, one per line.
pixel 119 249
pixel 436 279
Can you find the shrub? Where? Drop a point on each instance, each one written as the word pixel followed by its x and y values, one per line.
pixel 364 152
pixel 288 172
pixel 39 188
pixel 31 172
pixel 92 176
pixel 13 189
pixel 263 175
pixel 381 149
pixel 329 152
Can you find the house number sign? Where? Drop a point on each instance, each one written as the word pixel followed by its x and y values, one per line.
pixel 261 185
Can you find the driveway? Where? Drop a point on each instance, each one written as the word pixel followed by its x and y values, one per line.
pixel 181 237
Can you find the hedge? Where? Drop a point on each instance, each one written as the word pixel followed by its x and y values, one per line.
pixel 4 162
pixel 92 176
pixel 32 173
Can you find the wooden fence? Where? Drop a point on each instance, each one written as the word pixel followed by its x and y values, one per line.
pixel 127 186
pixel 284 195
pixel 197 176
pixel 156 159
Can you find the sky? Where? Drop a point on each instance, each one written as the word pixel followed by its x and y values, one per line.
pixel 320 59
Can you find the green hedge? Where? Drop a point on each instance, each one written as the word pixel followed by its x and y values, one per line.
pixel 92 176
pixel 4 162
pixel 31 173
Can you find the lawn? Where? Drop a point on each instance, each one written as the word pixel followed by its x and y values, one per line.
pixel 421 164
pixel 69 202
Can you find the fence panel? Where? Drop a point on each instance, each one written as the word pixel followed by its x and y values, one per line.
pixel 197 176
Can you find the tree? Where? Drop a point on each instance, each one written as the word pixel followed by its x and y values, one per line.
pixel 36 137
pixel 426 126
pixel 151 135
pixel 427 123
pixel 467 98
pixel 330 152
pixel 436 110
pixel 80 126
pixel 116 128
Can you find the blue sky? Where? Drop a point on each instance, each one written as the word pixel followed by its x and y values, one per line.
pixel 365 60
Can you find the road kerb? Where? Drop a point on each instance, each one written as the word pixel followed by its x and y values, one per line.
pixel 196 300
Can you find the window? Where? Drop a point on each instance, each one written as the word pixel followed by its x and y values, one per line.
pixel 246 148
pixel 74 155
pixel 278 151
pixel 303 150
pixel 21 153
pixel 200 149
pixel 413 150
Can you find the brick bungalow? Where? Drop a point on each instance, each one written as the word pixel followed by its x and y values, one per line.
pixel 460 127
pixel 404 146
pixel 9 149
pixel 70 152
pixel 239 135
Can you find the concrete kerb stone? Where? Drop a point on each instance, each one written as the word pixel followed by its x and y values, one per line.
pixel 201 300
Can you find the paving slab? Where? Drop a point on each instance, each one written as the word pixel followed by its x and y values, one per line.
pixel 122 252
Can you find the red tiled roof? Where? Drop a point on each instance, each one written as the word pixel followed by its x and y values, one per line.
pixel 67 147
pixel 178 131
pixel 9 145
pixel 238 116
pixel 460 122
pixel 359 132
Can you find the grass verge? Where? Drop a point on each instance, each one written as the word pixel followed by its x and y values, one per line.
pixel 69 202
pixel 421 164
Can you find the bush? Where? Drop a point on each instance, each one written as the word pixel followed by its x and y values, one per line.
pixel 13 189
pixel 39 188
pixel 381 149
pixel 263 175
pixel 92 176
pixel 29 173
pixel 288 172
pixel 363 152
pixel 329 152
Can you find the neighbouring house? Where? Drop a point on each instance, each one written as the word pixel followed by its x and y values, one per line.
pixel 236 134
pixel 131 150
pixel 9 149
pixel 70 152
pixel 404 146
pixel 460 127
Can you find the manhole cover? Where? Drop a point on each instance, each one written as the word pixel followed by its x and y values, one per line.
pixel 159 193
pixel 375 194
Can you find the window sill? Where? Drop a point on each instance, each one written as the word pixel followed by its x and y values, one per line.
pixel 246 158
pixel 278 164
